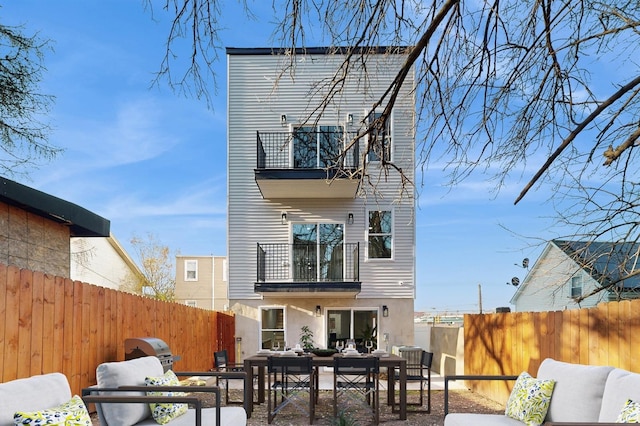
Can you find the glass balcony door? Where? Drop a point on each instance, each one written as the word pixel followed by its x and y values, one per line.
pixel 318 251
pixel 317 147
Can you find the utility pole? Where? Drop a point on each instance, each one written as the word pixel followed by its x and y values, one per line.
pixel 480 297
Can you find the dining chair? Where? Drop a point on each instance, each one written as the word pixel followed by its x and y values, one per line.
pixel 356 381
pixel 291 381
pixel 221 363
pixel 418 371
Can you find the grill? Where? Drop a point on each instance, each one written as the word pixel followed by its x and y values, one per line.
pixel 149 346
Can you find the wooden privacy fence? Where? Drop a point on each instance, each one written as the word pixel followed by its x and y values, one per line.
pixel 510 343
pixel 50 323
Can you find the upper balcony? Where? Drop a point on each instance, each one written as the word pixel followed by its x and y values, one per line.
pixel 301 270
pixel 308 163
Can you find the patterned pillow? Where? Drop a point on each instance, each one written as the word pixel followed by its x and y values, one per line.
pixel 72 413
pixel 630 413
pixel 530 399
pixel 165 412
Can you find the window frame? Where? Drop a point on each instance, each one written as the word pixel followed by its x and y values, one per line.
pixel 387 135
pixel 390 234
pixel 575 287
pixel 318 131
pixel 187 269
pixel 261 329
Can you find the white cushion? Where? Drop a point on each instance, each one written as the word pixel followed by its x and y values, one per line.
pixel 126 373
pixel 577 394
pixel 230 416
pixel 621 386
pixel 32 394
pixel 468 419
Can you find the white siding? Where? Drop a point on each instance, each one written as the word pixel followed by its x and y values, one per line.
pixel 548 286
pixel 100 261
pixel 255 105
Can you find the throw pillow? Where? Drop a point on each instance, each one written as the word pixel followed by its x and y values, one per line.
pixel 530 399
pixel 630 413
pixel 71 413
pixel 165 412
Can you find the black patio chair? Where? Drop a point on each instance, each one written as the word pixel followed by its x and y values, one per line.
pixel 417 371
pixel 290 379
pixel 357 380
pixel 221 363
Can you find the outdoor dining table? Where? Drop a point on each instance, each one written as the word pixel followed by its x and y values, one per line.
pixel 391 362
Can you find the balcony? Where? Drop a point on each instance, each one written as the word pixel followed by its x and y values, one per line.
pixel 307 164
pixel 300 270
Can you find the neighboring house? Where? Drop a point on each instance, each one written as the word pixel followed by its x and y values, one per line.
pixel 308 245
pixel 567 270
pixel 202 282
pixel 101 261
pixel 36 228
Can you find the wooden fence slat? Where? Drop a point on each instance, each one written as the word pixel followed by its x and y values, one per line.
pixel 49 323
pixel 25 323
pixel 3 314
pixel 37 323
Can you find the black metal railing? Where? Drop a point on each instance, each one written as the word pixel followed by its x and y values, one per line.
pixel 282 262
pixel 307 150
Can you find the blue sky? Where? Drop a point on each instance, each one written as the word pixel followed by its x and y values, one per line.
pixel 153 162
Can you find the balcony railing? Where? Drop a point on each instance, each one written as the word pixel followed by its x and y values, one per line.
pixel 281 262
pixel 307 150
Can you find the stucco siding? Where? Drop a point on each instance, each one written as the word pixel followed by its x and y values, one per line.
pixel 32 242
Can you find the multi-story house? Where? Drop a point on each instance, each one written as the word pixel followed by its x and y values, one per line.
pixel 311 240
pixel 201 281
pixel 571 275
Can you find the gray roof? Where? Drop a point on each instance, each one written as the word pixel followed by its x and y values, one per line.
pixel 606 262
pixel 81 222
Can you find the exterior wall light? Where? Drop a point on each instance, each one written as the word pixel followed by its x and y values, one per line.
pixel 350 119
pixel 385 311
pixel 283 119
pixel 318 310
pixel 350 218
pixel 283 218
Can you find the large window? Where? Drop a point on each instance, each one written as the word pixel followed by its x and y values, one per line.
pixel 318 253
pixel 380 237
pixel 317 147
pixel 191 270
pixel 272 328
pixel 576 286
pixel 379 139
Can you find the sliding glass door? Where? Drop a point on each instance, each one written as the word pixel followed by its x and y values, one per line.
pixel 318 253
pixel 358 325
pixel 317 147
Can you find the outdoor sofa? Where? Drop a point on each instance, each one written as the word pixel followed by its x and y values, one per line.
pixel 50 395
pixel 34 394
pixel 581 395
pixel 127 382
